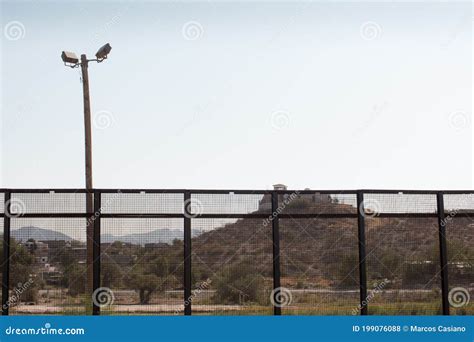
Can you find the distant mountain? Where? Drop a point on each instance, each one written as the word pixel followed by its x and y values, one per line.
pixel 163 235
pixel 38 234
pixel 158 235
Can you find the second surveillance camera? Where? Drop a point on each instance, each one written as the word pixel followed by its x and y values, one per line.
pixel 103 51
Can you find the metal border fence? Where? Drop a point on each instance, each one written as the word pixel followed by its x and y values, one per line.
pixel 187 214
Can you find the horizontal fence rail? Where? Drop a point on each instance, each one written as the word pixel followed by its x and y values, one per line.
pixel 237 252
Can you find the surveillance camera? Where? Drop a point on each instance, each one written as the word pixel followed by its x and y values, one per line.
pixel 103 51
pixel 69 57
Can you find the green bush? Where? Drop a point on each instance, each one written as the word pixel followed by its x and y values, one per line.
pixel 240 284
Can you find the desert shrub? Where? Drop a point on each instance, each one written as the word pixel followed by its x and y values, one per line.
pixel 299 203
pixel 74 279
pixel 239 284
pixel 347 272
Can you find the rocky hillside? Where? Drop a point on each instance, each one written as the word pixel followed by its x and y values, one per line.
pixel 325 250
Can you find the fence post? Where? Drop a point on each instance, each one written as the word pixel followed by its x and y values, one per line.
pixel 276 253
pixel 187 253
pixel 443 256
pixel 96 250
pixel 6 254
pixel 362 253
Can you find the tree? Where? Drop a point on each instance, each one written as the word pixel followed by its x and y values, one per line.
pixel 65 258
pixel 74 279
pixel 110 274
pixel 143 284
pixel 159 266
pixel 21 263
pixel 21 272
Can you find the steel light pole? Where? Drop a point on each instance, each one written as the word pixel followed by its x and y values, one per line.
pixel 70 59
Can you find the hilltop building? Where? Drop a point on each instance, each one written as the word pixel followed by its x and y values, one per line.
pixel 265 203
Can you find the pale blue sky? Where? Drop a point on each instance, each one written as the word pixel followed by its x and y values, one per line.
pixel 297 93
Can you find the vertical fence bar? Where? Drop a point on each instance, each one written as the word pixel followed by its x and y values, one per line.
pixel 96 251
pixel 443 256
pixel 187 253
pixel 6 254
pixel 362 253
pixel 276 254
pixel 89 243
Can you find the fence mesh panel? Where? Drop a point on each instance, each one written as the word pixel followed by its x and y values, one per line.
pixel 142 203
pixel 1 253
pixel 231 267
pixel 375 203
pixel 142 265
pixel 142 258
pixel 402 255
pixel 319 256
pixel 459 224
pixel 403 266
pixel 230 203
pixel 47 203
pixel 48 266
pixel 2 201
pixel 317 203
